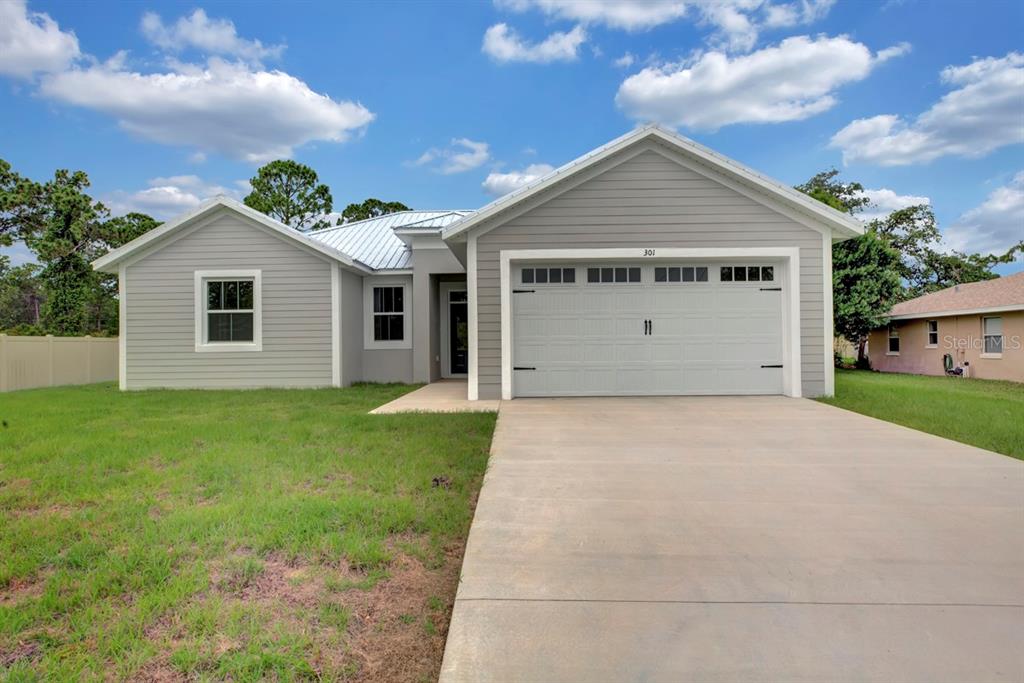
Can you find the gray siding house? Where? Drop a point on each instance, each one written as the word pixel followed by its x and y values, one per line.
pixel 650 266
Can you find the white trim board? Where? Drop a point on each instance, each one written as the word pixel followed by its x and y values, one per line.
pixel 335 325
pixel 829 312
pixel 789 256
pixel 473 381
pixel 933 315
pixel 122 327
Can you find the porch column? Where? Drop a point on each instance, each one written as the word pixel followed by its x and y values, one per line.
pixel 421 293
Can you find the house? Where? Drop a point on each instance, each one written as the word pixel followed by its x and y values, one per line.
pixel 651 265
pixel 979 324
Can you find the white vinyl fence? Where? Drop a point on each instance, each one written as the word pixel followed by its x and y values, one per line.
pixel 28 362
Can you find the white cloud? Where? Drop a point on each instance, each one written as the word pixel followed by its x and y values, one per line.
pixel 993 226
pixel 32 42
pixel 503 44
pixel 499 184
pixel 462 155
pixel 735 23
pixel 631 15
pixel 791 81
pixel 210 36
pixel 625 61
pixel 168 197
pixel 884 201
pixel 231 108
pixel 980 115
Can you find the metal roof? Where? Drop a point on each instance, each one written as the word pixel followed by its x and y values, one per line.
pixel 373 241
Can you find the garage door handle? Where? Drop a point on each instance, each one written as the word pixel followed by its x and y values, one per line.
pixel 522 367
pixel 771 366
pixel 771 289
pixel 523 291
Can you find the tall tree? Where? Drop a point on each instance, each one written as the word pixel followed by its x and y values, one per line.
pixel 71 225
pixel 20 210
pixel 369 208
pixel 865 285
pixel 292 193
pixel 20 295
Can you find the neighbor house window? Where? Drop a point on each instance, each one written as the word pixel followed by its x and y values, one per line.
pixel 386 315
pixel 894 339
pixel 933 332
pixel 228 316
pixel 992 329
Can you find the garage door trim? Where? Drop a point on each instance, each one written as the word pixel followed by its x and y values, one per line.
pixel 789 256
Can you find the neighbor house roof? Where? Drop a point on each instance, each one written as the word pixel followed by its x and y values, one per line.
pixel 841 224
pixel 373 241
pixel 989 296
pixel 110 261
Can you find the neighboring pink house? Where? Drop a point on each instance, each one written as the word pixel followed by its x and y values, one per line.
pixel 980 324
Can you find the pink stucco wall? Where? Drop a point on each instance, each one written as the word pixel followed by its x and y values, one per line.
pixel 960 336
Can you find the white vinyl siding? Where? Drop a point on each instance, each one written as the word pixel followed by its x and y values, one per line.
pixel 296 311
pixel 649 200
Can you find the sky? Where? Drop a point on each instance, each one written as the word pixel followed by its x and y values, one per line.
pixel 448 105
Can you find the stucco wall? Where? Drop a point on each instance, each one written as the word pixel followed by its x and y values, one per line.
pixel 960 336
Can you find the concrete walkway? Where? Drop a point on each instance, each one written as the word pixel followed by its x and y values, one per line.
pixel 737 539
pixel 445 396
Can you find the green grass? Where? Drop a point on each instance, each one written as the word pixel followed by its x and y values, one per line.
pixel 148 529
pixel 984 413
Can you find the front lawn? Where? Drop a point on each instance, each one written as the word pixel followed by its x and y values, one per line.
pixel 234 535
pixel 983 413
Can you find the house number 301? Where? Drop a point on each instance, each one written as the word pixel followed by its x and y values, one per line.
pixel 648 252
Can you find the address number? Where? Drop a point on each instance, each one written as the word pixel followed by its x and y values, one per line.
pixel 648 252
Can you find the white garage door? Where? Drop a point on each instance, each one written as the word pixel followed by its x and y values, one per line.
pixel 632 329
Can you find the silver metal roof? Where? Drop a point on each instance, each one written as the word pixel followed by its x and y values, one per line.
pixel 373 241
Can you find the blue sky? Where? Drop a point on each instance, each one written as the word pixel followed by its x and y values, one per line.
pixel 446 105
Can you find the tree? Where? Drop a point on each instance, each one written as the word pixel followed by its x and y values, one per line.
pixel 292 193
pixel 865 285
pixel 20 295
pixel 370 208
pixel 20 199
pixel 846 197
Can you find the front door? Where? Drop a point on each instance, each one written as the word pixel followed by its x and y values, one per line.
pixel 458 333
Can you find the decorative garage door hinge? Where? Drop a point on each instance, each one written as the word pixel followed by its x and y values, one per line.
pixel 523 291
pixel 772 366
pixel 522 367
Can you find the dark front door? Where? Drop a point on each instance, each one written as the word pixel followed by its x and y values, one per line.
pixel 458 333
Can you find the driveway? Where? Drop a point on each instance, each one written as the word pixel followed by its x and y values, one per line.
pixel 737 539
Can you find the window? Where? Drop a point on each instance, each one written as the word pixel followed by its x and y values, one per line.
pixel 894 340
pixel 681 274
pixel 933 332
pixel 386 311
pixel 992 330
pixel 616 274
pixel 543 276
pixel 388 314
pixel 228 315
pixel 747 274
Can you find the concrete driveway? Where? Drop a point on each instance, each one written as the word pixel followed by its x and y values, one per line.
pixel 737 539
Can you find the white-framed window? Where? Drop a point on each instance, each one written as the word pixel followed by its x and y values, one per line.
pixel 228 310
pixel 548 276
pixel 387 319
pixel 933 333
pixel 747 274
pixel 992 332
pixel 680 274
pixel 894 340
pixel 613 275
